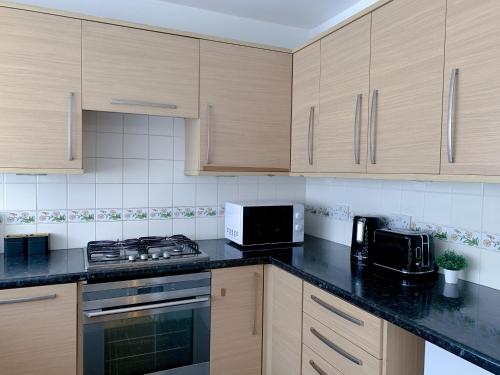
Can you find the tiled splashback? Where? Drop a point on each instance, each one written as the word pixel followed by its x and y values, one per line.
pixel 134 185
pixel 461 216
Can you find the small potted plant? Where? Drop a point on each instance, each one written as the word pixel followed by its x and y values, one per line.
pixel 452 263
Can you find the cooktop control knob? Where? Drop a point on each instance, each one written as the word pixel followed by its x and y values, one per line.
pixel 299 216
pixel 155 256
pixel 166 255
pixel 144 256
pixel 299 227
pixel 132 257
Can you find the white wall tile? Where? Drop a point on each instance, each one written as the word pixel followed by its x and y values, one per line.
pixel 248 192
pixel 491 214
pixel 179 148
pixel 109 195
pixel 184 195
pixel 109 171
pixel 184 226
pixel 89 149
pixel 58 235
pixel 161 171
pixel 89 121
pixel 135 124
pixel 412 204
pixel 227 192
pixel 161 147
pixel 160 227
pixel 81 195
pixel 135 171
pixel 2 198
pixel 52 196
pixel 79 234
pixel 267 191
pixel 109 230
pixel 135 195
pixel 161 125
pixel 109 122
pixel 179 177
pixel 52 179
pixel 160 195
pixel 20 229
pixel 109 145
pixel 206 228
pixel 135 146
pixel 466 211
pixel 206 195
pixel 390 201
pixel 19 179
pixel 88 176
pixel 490 264
pixel 179 127
pixel 437 208
pixel 134 229
pixel 20 196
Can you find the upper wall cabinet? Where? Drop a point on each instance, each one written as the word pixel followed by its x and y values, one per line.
pixel 305 111
pixel 471 110
pixel 344 91
pixel 138 71
pixel 245 106
pixel 406 83
pixel 40 92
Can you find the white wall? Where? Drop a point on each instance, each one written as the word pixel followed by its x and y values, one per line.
pixel 439 362
pixel 173 16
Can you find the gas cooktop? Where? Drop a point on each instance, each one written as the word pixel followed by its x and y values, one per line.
pixel 142 252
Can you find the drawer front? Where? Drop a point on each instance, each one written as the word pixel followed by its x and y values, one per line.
pixel 358 326
pixel 338 351
pixel 313 364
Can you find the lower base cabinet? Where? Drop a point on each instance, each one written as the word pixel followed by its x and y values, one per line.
pixel 38 330
pixel 236 321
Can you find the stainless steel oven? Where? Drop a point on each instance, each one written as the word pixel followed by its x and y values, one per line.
pixel 147 326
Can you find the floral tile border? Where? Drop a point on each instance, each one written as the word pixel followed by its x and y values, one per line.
pixel 337 212
pixel 85 215
pixel 20 217
pixel 135 214
pixel 211 211
pixel 160 213
pixel 455 235
pixel 490 241
pixel 222 210
pixel 51 216
pixel 184 212
pixel 109 214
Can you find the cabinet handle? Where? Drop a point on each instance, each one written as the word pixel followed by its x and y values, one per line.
pixel 339 350
pixel 70 125
pixel 209 133
pixel 256 312
pixel 223 292
pixel 357 119
pixel 310 136
pixel 337 311
pixel 371 125
pixel 27 299
pixel 143 104
pixel 451 112
pixel 318 369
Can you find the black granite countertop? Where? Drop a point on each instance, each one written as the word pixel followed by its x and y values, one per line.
pixel 467 325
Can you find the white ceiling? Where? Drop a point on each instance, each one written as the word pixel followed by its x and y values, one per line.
pixel 305 14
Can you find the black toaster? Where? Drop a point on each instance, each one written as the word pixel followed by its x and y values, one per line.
pixel 404 251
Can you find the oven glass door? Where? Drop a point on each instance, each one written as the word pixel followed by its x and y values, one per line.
pixel 165 340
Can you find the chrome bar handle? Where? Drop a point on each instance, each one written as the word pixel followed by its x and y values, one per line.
pixel 339 350
pixel 310 136
pixel 209 133
pixel 70 125
pixel 94 314
pixel 451 112
pixel 356 135
pixel 140 103
pixel 318 369
pixel 256 311
pixel 371 124
pixel 27 299
pixel 338 312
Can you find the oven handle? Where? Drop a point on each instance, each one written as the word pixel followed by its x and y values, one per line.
pixel 96 314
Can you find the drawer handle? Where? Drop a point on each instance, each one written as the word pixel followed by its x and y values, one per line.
pixel 318 369
pixel 27 299
pixel 340 351
pixel 337 311
pixel 143 104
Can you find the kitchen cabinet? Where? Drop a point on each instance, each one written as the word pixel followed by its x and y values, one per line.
pixel 305 110
pixel 245 106
pixel 344 92
pixel 236 321
pixel 282 322
pixel 406 82
pixel 40 93
pixel 470 134
pixel 38 330
pixel 139 71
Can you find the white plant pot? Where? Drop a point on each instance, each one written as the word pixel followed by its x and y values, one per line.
pixel 451 276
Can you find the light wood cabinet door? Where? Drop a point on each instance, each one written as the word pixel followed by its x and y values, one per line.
pixel 138 71
pixel 344 93
pixel 40 66
pixel 305 109
pixel 472 47
pixel 282 322
pixel 38 330
pixel 407 56
pixel 236 322
pixel 244 108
